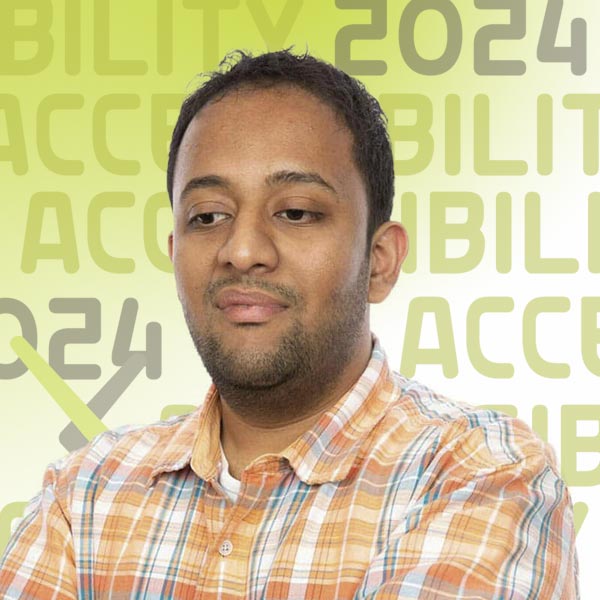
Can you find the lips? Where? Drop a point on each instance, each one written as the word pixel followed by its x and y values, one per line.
pixel 241 306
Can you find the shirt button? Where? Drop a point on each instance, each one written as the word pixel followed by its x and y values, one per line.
pixel 226 548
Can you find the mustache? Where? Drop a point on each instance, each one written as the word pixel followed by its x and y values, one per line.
pixel 291 296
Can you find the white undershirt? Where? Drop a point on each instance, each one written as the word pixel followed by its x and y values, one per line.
pixel 230 485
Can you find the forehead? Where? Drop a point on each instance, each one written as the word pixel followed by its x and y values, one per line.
pixel 252 130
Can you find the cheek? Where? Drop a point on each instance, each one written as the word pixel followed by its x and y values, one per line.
pixel 326 274
pixel 190 272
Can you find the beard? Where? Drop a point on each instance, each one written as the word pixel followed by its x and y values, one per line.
pixel 288 379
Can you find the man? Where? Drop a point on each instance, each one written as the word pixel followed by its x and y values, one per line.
pixel 311 470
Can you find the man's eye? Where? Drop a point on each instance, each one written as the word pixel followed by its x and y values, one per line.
pixel 298 215
pixel 208 218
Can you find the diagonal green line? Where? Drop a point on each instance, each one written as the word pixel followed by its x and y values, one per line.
pixel 70 403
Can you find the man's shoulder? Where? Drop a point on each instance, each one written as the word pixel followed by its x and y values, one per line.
pixel 453 427
pixel 425 405
pixel 133 453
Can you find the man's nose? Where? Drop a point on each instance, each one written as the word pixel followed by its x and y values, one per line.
pixel 249 246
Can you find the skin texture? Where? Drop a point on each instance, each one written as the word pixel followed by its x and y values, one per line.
pixel 272 264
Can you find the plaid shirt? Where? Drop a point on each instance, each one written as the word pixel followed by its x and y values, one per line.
pixel 395 493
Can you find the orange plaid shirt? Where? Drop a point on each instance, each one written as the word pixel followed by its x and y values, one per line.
pixel 395 493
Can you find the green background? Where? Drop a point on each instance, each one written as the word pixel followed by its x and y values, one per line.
pixel 143 56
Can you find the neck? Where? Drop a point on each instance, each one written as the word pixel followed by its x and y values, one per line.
pixel 246 436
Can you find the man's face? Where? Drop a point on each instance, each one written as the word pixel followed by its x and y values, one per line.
pixel 269 242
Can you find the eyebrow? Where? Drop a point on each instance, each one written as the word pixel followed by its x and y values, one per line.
pixel 207 181
pixel 272 180
pixel 283 177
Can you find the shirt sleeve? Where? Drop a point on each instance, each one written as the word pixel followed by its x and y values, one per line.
pixel 38 562
pixel 494 522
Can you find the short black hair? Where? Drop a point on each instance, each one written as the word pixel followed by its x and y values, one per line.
pixel 348 97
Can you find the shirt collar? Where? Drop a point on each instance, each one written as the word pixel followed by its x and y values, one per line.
pixel 326 452
pixel 206 452
pixel 176 450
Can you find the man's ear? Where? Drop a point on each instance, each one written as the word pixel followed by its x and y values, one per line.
pixel 171 246
pixel 388 251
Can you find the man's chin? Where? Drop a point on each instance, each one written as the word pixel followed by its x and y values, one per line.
pixel 239 358
pixel 248 369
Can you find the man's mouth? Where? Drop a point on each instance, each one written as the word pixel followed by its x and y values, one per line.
pixel 244 306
